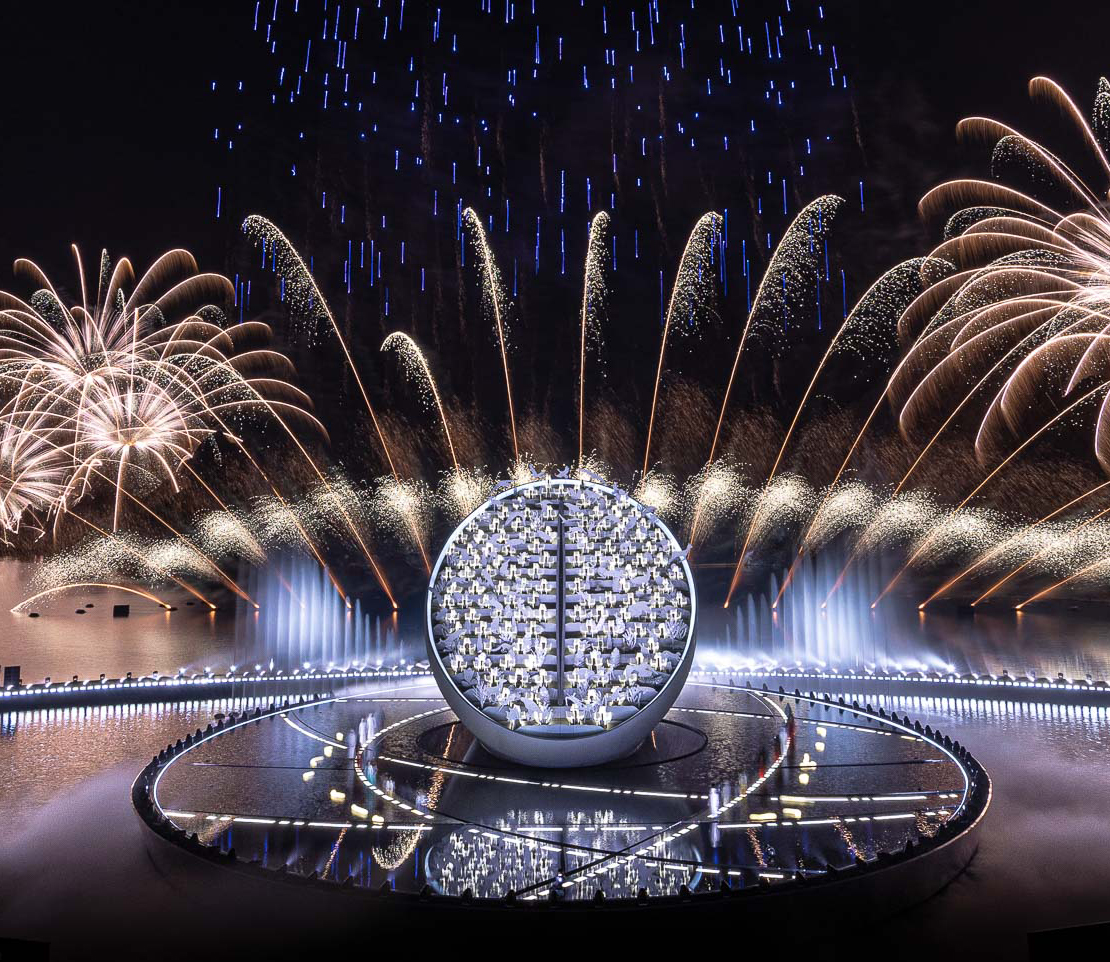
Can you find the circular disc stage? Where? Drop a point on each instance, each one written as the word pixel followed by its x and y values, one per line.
pixel 560 622
pixel 384 787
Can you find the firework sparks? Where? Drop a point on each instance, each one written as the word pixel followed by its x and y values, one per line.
pixel 493 296
pixel 415 366
pixel 714 495
pixel 593 301
pixel 687 295
pixel 462 491
pixel 791 271
pixel 1029 313
pixel 306 297
pixel 658 491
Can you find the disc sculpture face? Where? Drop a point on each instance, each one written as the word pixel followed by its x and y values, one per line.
pixel 560 622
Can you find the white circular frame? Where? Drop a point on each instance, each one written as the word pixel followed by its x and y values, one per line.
pixel 564 750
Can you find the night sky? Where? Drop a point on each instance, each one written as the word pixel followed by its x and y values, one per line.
pixel 109 124
pixel 107 129
pixel 104 132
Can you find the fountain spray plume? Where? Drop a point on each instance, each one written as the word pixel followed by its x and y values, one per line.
pixel 415 366
pixel 688 293
pixel 593 300
pixel 493 294
pixel 255 549
pixel 462 491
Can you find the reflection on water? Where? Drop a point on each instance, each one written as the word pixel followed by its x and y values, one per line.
pixel 823 616
pixel 303 621
pixel 1058 638
pixel 1042 856
pixel 1039 863
pixel 767 794
pixel 60 643
pixel 44 754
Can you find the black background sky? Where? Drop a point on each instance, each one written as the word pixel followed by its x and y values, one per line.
pixel 106 125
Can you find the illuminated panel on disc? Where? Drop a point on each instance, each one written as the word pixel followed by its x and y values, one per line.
pixel 560 621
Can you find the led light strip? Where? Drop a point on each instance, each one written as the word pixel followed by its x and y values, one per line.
pixel 481 776
pixel 310 734
pixel 839 819
pixel 282 822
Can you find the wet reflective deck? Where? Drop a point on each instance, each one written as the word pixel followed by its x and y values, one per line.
pixel 733 785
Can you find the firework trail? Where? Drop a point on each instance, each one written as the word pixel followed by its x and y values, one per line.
pixel 928 540
pixel 1032 301
pixel 27 602
pixel 415 366
pixel 288 512
pixel 1012 331
pixel 865 333
pixel 130 385
pixel 1002 548
pixel 593 301
pixel 306 300
pixel 144 558
pixel 305 297
pixel 687 293
pixel 33 472
pixel 493 294
pixel 1081 573
pixel 791 269
pixel 145 378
